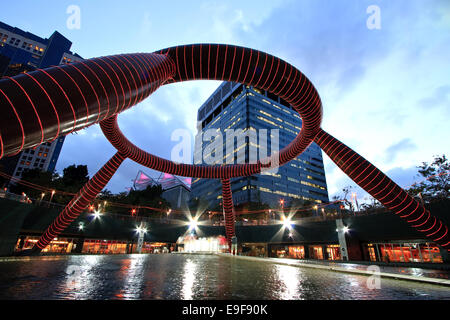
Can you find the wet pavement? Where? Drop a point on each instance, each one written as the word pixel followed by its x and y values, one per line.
pixel 175 276
pixel 430 273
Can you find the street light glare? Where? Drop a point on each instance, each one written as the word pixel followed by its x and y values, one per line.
pixel 193 224
pixel 141 230
pixel 96 214
pixel 287 223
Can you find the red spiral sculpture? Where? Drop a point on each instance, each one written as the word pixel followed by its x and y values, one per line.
pixel 42 105
pixel 228 210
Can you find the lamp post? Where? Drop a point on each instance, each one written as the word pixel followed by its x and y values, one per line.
pixel 51 197
pixel 282 205
pixel 141 231
pixel 42 197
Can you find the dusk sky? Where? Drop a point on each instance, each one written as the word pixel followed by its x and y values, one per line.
pixel 385 92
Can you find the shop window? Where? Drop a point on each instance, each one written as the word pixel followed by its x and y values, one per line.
pixel 371 252
pixel 333 252
pixel 297 252
pixel 408 252
pixel 316 252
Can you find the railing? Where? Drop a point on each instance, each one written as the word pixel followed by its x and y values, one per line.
pixel 170 220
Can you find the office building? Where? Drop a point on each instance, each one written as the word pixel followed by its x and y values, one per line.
pixel 237 106
pixel 20 52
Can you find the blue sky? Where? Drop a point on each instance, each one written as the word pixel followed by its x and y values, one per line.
pixel 385 92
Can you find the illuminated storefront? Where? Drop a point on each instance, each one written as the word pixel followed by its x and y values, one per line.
pixel 104 246
pixel 402 252
pixel 94 246
pixel 316 252
pixel 297 252
pixel 191 243
pixel 57 245
pixel 254 249
pixel 153 247
pixel 334 252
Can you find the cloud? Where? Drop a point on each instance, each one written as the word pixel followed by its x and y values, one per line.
pixel 398 148
pixel 374 84
pixel 404 177
pixel 439 98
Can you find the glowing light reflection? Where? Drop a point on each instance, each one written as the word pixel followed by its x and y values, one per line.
pixel 188 280
pixel 289 277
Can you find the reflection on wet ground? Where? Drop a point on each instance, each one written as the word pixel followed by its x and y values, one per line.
pixel 430 273
pixel 172 276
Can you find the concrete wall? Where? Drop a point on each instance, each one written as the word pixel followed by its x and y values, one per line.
pixel 12 214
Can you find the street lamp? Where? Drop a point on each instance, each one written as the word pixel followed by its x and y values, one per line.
pixel 193 224
pixel 141 230
pixel 51 197
pixel 287 223
pixel 96 214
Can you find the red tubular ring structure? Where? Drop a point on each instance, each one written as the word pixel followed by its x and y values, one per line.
pixel 81 200
pixel 228 210
pixel 45 104
pixel 379 186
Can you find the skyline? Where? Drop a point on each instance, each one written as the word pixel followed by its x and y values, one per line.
pixel 346 72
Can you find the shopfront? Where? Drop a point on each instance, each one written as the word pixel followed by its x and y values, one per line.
pixel 153 247
pixel 316 252
pixel 402 252
pixel 254 249
pixel 57 245
pixel 95 246
pixel 297 252
pixel 333 252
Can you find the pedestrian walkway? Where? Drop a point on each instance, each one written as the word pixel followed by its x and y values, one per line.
pixel 411 274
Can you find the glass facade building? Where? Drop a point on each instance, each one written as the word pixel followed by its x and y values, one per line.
pixel 237 106
pixel 20 52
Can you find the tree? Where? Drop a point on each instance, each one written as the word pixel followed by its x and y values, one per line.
pixel 373 206
pixel 343 198
pixel 73 179
pixel 436 184
pixel 36 176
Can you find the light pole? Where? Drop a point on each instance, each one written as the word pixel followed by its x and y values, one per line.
pixel 51 197
pixel 282 205
pixel 42 197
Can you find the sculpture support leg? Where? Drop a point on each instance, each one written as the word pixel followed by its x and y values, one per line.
pixel 227 200
pixel 379 186
pixel 80 201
